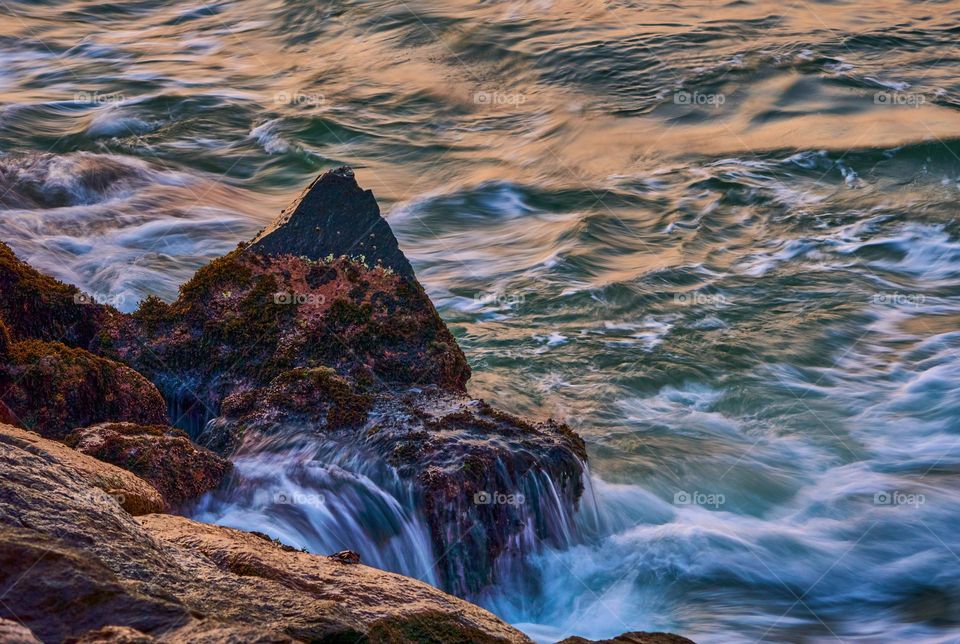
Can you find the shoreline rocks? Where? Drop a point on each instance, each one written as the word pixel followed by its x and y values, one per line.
pixel 635 637
pixel 318 324
pixel 82 567
pixel 53 388
pixel 294 335
pixel 161 455
pixel 105 481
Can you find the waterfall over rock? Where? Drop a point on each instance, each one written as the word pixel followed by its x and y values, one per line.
pixel 314 359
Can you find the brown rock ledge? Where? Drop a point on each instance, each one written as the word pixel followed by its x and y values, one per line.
pixel 74 565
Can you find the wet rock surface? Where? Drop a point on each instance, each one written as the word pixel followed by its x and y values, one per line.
pixel 636 637
pixel 83 568
pixel 493 485
pixel 301 330
pixel 333 217
pixel 161 455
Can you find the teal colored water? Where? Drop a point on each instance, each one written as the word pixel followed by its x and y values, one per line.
pixel 719 238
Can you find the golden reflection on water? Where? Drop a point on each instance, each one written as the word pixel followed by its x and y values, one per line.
pixel 572 119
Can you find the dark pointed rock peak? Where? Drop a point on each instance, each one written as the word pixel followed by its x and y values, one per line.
pixel 334 216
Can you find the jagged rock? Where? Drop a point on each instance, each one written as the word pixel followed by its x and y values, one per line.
pixel 636 637
pixel 333 217
pixel 490 481
pixel 260 321
pixel 161 455
pixel 296 331
pixel 79 564
pixel 52 388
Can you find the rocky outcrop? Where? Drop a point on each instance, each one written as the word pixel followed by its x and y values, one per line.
pixel 495 487
pixel 320 326
pixel 334 217
pixel 102 481
pixel 260 322
pixel 75 565
pixel 34 305
pixel 161 455
pixel 52 388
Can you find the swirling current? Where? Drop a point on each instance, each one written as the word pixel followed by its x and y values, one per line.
pixel 720 239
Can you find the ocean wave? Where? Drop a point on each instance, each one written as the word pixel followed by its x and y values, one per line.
pixel 81 178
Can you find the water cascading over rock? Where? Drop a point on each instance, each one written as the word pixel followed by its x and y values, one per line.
pixel 314 359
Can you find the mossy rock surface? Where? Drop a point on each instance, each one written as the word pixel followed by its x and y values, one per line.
pixel 5 342
pixel 52 388
pixel 35 305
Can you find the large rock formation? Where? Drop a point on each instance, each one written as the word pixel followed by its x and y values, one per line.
pixel 319 325
pixel 74 565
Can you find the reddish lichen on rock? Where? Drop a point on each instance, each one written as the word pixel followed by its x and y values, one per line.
pixel 35 305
